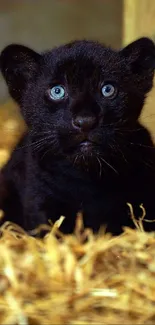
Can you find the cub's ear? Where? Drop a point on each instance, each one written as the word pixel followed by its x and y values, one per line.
pixel 19 65
pixel 140 55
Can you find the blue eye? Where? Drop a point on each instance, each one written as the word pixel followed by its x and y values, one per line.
pixel 57 92
pixel 108 90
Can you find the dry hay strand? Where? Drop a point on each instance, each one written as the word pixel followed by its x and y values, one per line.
pixel 80 278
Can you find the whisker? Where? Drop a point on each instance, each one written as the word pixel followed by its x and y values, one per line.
pixel 83 157
pixel 30 144
pixel 141 145
pixel 45 153
pixel 49 149
pixel 146 163
pixel 75 160
pixel 128 130
pixel 119 149
pixel 100 165
pixel 109 165
pixel 34 132
pixel 35 142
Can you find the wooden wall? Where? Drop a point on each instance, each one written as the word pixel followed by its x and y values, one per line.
pixel 139 20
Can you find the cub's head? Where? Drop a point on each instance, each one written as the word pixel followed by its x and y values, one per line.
pixel 79 99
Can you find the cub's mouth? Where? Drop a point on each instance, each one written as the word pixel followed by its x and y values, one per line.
pixel 85 154
pixel 82 149
pixel 88 155
pixel 87 147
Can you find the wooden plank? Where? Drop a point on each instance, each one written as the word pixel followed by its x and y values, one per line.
pixel 138 21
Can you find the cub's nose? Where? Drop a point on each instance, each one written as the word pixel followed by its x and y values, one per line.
pixel 85 123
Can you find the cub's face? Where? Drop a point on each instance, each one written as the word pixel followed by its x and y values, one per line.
pixel 80 99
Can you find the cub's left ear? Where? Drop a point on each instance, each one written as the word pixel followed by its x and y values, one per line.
pixel 140 55
pixel 19 65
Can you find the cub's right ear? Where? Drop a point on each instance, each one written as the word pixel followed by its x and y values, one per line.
pixel 140 55
pixel 19 65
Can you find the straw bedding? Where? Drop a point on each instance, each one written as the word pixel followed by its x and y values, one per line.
pixel 78 278
pixel 75 279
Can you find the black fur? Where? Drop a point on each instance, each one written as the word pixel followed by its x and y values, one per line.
pixel 52 171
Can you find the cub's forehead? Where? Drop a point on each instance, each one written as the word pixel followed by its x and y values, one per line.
pixel 83 58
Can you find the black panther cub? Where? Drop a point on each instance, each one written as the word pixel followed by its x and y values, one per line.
pixel 85 149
